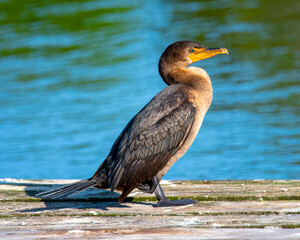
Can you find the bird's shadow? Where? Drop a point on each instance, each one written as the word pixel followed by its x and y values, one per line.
pixel 89 199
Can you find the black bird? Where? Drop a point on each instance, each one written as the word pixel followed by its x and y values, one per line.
pixel 160 133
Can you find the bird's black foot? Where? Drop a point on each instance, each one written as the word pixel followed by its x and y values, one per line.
pixel 164 202
pixel 173 203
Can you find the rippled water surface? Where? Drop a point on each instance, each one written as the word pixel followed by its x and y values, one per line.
pixel 73 73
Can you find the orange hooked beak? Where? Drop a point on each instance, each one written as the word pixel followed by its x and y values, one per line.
pixel 198 54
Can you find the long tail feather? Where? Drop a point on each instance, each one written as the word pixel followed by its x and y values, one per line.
pixel 68 190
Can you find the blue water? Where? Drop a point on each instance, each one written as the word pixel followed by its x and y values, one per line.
pixel 73 73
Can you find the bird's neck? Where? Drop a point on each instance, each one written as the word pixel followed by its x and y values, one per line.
pixel 193 77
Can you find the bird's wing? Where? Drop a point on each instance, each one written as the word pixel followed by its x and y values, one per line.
pixel 151 138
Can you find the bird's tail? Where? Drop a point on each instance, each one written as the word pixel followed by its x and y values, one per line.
pixel 68 190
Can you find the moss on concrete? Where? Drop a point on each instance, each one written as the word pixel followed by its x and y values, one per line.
pixel 230 198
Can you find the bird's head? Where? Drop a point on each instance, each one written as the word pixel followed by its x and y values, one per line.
pixel 188 52
pixel 182 54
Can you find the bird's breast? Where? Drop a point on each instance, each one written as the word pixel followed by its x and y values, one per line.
pixel 201 101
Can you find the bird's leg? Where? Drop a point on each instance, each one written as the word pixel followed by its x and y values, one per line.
pixel 148 186
pixel 159 194
pixel 165 202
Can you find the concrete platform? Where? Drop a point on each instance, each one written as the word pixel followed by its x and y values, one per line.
pixel 257 209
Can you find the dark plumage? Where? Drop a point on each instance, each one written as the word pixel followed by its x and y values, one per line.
pixel 160 133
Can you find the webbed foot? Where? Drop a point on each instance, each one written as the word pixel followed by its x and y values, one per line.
pixel 172 203
pixel 164 202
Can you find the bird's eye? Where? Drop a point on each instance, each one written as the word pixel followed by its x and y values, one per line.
pixel 192 50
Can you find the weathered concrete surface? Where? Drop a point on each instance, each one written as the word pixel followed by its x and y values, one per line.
pixel 226 210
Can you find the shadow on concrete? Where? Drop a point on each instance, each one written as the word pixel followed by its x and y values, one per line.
pixel 91 198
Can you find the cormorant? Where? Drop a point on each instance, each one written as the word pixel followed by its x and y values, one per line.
pixel 161 132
